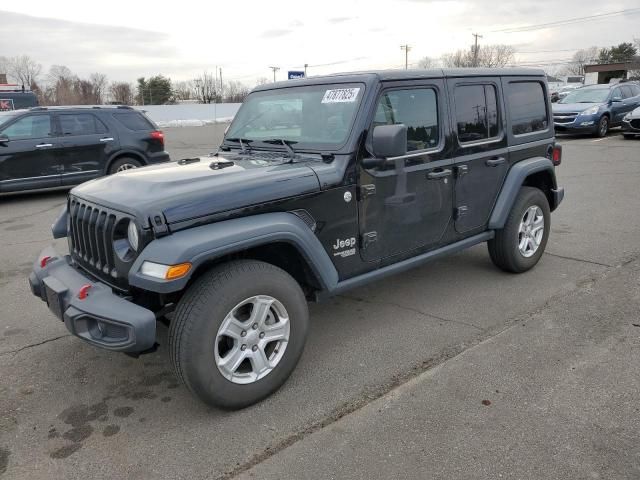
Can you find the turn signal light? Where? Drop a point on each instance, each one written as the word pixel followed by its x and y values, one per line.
pixel 177 271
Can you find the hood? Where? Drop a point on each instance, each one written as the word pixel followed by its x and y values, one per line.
pixel 573 107
pixel 192 190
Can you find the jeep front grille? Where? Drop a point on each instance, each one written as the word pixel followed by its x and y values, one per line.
pixel 91 230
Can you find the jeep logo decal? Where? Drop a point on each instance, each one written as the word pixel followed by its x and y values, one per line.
pixel 347 243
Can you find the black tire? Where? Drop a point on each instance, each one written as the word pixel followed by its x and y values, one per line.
pixel 123 161
pixel 603 127
pixel 200 313
pixel 503 248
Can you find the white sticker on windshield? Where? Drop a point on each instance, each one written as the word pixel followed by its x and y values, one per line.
pixel 341 95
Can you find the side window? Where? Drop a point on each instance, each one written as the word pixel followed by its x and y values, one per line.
pixel 476 112
pixel 626 91
pixel 134 121
pixel 415 108
pixel 616 93
pixel 527 107
pixel 31 127
pixel 635 89
pixel 81 124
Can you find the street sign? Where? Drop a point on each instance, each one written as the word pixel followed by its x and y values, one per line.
pixel 293 74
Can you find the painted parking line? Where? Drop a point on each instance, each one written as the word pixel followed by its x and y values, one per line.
pixel 599 139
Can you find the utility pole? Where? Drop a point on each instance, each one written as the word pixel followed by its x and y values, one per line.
pixel 275 69
pixel 221 84
pixel 305 69
pixel 406 49
pixel 475 49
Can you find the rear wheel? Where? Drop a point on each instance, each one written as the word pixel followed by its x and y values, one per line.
pixel 603 127
pixel 519 245
pixel 124 163
pixel 238 333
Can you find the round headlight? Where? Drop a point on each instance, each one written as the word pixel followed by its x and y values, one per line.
pixel 132 235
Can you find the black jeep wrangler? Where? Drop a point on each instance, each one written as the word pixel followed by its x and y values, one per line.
pixel 320 185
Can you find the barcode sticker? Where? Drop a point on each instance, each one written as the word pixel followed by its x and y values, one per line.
pixel 341 95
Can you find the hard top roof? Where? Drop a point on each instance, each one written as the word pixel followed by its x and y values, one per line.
pixel 390 75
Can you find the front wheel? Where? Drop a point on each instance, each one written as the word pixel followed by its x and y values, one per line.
pixel 603 127
pixel 238 333
pixel 519 245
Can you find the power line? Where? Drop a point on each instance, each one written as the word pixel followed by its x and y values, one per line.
pixel 568 21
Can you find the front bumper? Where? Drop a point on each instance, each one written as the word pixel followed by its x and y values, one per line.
pixel 586 126
pixel 627 128
pixel 102 318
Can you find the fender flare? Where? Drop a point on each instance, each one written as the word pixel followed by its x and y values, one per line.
pixel 208 242
pixel 512 184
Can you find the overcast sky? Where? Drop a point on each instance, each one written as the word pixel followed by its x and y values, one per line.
pixel 128 39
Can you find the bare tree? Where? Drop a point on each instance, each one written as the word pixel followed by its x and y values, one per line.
pixel 121 93
pixel 24 70
pixel 491 56
pixel 99 85
pixel 236 92
pixel 427 62
pixel 580 59
pixel 185 90
pixel 206 88
pixel 262 81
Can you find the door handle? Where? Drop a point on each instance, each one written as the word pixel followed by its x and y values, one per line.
pixel 494 162
pixel 107 139
pixel 44 145
pixel 436 175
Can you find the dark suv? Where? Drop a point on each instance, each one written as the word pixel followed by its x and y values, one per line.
pixel 49 147
pixel 321 185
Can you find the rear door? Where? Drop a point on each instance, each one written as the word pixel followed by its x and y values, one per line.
pixel 481 156
pixel 87 145
pixel 28 159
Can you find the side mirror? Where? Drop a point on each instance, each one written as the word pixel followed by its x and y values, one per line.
pixel 3 138
pixel 390 141
pixel 616 99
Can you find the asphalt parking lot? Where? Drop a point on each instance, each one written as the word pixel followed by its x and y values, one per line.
pixel 453 370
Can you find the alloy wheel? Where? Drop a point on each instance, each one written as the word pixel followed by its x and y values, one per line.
pixel 252 339
pixel 531 231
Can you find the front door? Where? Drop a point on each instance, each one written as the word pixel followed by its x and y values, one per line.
pixel 28 159
pixel 87 146
pixel 405 205
pixel 481 156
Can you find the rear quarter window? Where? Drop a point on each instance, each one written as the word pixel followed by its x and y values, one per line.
pixel 135 121
pixel 527 107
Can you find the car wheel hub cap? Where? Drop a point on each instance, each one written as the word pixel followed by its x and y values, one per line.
pixel 125 166
pixel 531 231
pixel 252 339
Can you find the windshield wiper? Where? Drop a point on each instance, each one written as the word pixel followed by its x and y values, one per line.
pixel 242 142
pixel 286 143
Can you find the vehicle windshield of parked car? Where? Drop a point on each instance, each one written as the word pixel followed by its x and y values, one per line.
pixel 314 116
pixel 587 95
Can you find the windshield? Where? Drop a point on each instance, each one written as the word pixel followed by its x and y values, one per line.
pixel 587 95
pixel 314 116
